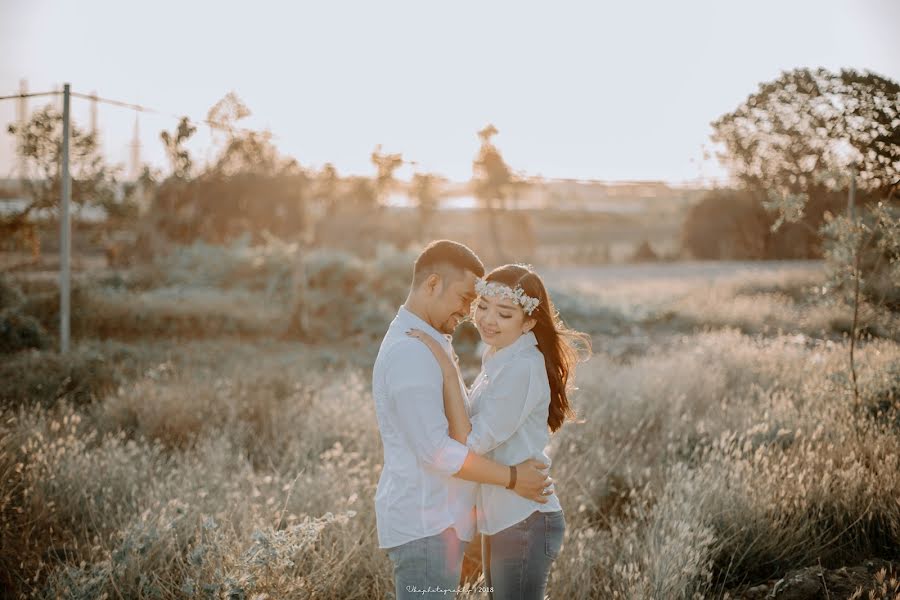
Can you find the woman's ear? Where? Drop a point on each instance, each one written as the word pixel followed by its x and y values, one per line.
pixel 528 324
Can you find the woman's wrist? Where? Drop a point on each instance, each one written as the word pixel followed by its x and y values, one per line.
pixel 512 478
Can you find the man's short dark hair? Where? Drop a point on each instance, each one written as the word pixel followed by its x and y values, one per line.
pixel 444 257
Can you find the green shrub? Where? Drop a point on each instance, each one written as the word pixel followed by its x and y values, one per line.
pixel 160 313
pixel 87 372
pixel 19 331
pixel 735 225
pixel 11 295
pixel 346 296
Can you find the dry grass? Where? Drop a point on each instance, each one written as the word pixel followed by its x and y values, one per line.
pixel 217 468
pixel 785 301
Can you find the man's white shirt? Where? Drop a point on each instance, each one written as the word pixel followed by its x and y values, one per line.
pixel 417 495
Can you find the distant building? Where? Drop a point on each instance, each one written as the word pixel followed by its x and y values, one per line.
pixel 575 195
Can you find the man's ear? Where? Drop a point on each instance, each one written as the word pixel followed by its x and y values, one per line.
pixel 433 284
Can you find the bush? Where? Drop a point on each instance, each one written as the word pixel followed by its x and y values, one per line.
pixel 726 225
pixel 735 225
pixel 266 267
pixel 345 296
pixel 644 252
pixel 19 331
pixel 160 313
pixel 87 372
pixel 11 295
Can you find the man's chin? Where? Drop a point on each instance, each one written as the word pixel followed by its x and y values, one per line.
pixel 450 326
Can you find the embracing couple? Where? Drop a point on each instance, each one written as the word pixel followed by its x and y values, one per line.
pixel 456 457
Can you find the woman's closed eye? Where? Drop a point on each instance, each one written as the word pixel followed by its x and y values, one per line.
pixel 483 307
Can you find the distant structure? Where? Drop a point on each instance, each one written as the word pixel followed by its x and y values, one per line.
pixel 134 168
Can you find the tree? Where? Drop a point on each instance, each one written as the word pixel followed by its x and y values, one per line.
pixel 424 188
pixel 385 165
pixel 171 203
pixel 810 134
pixel 179 158
pixel 795 131
pixel 248 187
pixel 491 179
pixel 244 150
pixel 327 188
pixel 39 142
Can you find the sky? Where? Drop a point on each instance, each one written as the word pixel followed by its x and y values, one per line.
pixel 588 90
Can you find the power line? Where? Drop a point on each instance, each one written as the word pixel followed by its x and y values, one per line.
pixel 35 95
pixel 221 126
pixel 147 109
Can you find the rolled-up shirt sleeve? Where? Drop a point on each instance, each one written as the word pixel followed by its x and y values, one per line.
pixel 415 385
pixel 507 401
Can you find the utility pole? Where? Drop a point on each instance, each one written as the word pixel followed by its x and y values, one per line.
pixel 21 120
pixel 94 114
pixel 65 244
pixel 135 151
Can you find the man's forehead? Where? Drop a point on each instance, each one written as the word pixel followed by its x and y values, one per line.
pixel 466 284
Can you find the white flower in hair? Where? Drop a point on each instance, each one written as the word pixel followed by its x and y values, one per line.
pixel 491 288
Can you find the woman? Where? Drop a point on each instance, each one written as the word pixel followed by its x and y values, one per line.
pixel 517 400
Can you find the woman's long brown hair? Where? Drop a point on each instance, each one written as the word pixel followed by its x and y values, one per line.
pixel 562 347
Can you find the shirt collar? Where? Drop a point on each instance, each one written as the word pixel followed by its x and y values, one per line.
pixel 409 320
pixel 503 355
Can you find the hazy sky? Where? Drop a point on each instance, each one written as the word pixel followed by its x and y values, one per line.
pixel 608 90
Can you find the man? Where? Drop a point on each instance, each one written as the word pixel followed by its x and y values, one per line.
pixel 424 505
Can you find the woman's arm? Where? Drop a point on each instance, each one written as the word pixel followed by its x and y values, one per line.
pixel 508 400
pixel 454 403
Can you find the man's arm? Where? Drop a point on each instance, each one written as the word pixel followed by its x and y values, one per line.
pixel 415 389
pixel 531 477
pixel 415 384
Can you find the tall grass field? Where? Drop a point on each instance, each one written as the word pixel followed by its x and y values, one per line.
pixel 212 434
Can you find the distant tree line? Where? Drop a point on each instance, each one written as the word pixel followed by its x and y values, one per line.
pixel 248 187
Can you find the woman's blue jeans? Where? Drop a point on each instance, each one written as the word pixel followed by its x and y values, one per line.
pixel 517 560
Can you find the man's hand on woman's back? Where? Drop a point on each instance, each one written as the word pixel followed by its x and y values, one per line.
pixel 532 479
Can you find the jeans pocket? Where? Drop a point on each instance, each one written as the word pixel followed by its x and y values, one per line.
pixel 554 531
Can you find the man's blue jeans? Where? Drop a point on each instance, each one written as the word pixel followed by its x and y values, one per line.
pixel 517 560
pixel 431 564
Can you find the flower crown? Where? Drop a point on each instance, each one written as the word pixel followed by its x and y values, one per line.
pixel 486 288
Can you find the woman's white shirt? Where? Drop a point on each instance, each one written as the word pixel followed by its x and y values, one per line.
pixel 510 403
